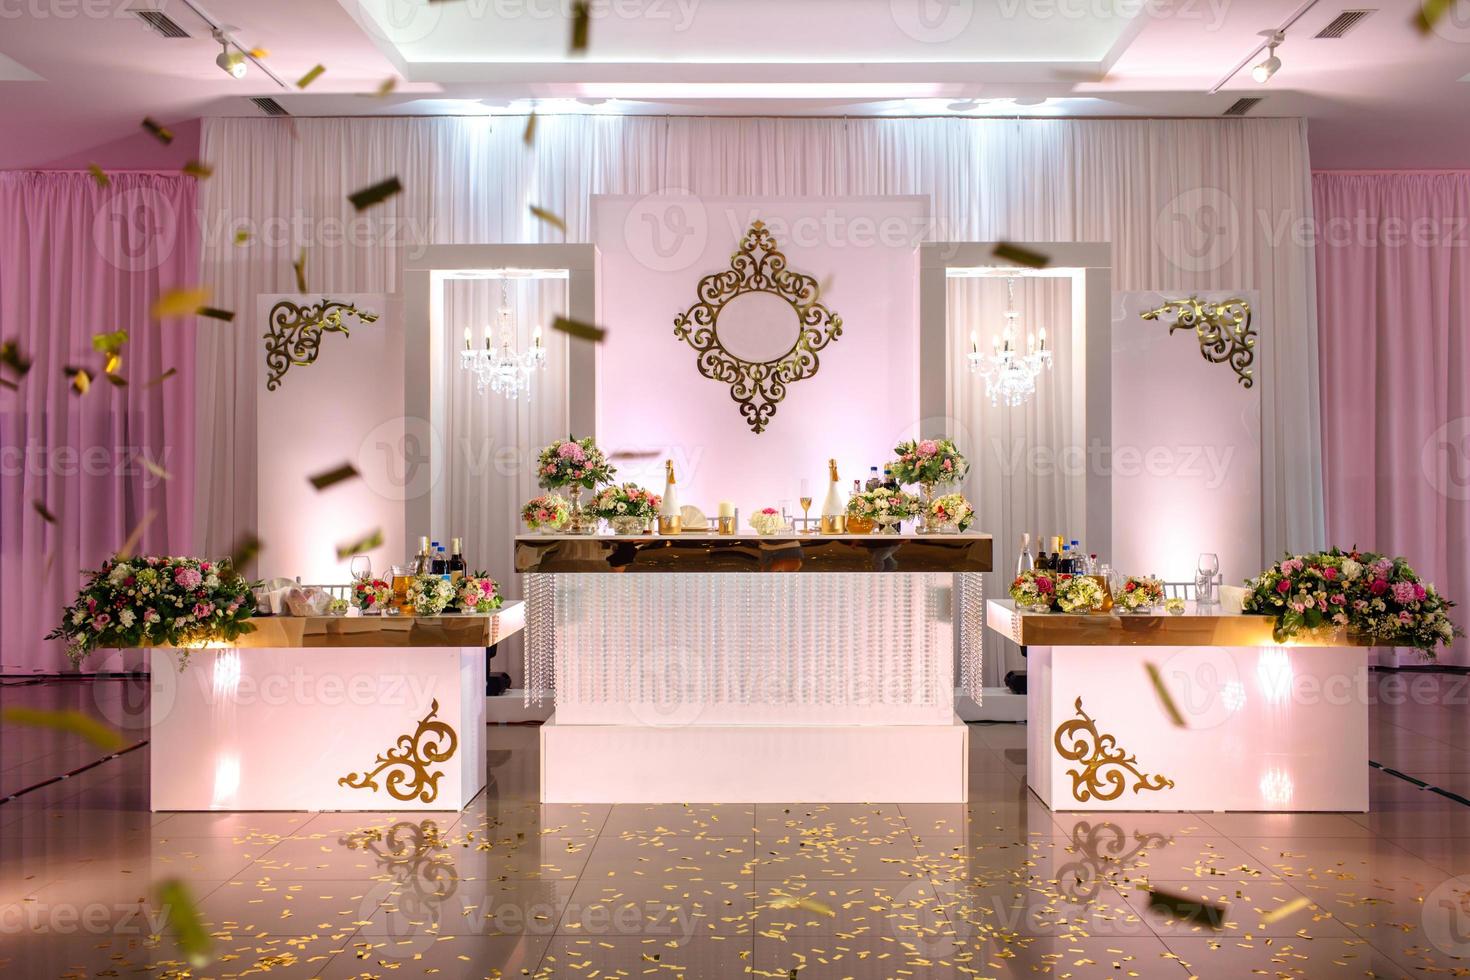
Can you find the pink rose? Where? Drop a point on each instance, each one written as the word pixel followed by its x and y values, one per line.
pixel 1378 586
pixel 1284 586
pixel 1403 592
pixel 1339 599
pixel 1329 573
pixel 1419 591
pixel 1044 586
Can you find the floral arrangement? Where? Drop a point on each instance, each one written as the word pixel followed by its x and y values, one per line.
pixel 952 509
pixel 546 511
pixel 337 607
pixel 1174 606
pixel 1367 593
pixel 1079 593
pixel 573 462
pixel 429 594
pixel 929 461
pixel 767 520
pixel 1138 593
pixel 1035 589
pixel 153 601
pixel 478 593
pixel 371 594
pixel 883 505
pixel 628 502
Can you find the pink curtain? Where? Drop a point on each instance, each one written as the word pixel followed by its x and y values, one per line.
pixel 1393 284
pixel 78 260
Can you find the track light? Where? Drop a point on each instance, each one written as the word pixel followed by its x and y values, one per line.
pixel 1262 72
pixel 232 63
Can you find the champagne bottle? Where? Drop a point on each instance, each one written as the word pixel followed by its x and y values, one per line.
pixel 669 519
pixel 833 507
pixel 421 560
pixel 1024 562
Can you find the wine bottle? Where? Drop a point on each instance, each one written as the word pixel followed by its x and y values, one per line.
pixel 1024 562
pixel 1043 560
pixel 457 569
pixel 669 519
pixel 834 506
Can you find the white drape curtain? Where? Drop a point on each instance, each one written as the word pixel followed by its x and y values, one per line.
pixel 1186 204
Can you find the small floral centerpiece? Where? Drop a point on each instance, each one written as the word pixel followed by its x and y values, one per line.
pixel 628 508
pixel 1079 594
pixel 1369 594
pixel 767 520
pixel 1174 606
pixel 951 512
pixel 478 593
pixel 573 463
pixel 1035 590
pixel 929 462
pixel 337 607
pixel 153 601
pixel 429 595
pixel 546 513
pixel 372 594
pixel 1137 594
pixel 885 507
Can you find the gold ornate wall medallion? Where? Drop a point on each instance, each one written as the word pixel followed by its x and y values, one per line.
pixel 407 765
pixel 1105 767
pixel 1224 331
pixel 294 334
pixel 737 330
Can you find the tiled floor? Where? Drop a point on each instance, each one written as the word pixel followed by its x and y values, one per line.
pixel 998 888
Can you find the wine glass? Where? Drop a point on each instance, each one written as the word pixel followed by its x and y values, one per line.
pixel 361 567
pixel 1208 567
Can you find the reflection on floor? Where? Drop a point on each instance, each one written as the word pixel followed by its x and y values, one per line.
pixel 998 888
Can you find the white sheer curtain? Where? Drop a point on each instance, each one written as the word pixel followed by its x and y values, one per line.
pixel 1186 204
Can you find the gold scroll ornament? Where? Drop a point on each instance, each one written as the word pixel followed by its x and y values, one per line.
pixel 758 386
pixel 1105 767
pixel 1223 329
pixel 294 334
pixel 408 765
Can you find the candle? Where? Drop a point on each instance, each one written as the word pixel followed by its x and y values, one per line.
pixel 727 509
pixel 536 337
pixel 466 338
pixel 487 336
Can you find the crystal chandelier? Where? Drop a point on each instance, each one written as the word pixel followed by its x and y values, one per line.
pixel 500 367
pixel 1008 373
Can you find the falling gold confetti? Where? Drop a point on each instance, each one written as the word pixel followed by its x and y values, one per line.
pixel 333 476
pixel 1170 708
pixel 376 194
pixel 160 133
pixel 215 313
pixel 242 236
pixel 387 85
pixel 11 357
pixel 154 468
pixel 260 53
pixel 1021 256
pixel 581 25
pixel 131 544
pixel 109 343
pixel 46 515
pixel 310 76
pixel 99 175
pixel 189 932
pixel 81 379
pixel 554 220
pixel 529 136
pixel 300 268
pixel 1285 911
pixel 113 363
pixel 161 378
pixel 243 551
pixel 197 168
pixel 373 539
pixel 180 302
pixel 575 328
pixel 116 380
pixel 1429 13
pixel 74 722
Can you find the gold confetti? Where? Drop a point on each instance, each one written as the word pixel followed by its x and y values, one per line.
pixel 197 168
pixel 183 916
pixel 131 544
pixel 581 25
pixel 81 379
pixel 373 539
pixel 112 364
pixel 310 76
pixel 161 378
pixel 300 268
pixel 109 343
pixel 1170 708
pixel 387 86
pixel 554 220
pixel 529 136
pixel 376 194
pixel 1285 911
pixel 9 384
pixel 154 468
pixel 11 357
pixel 160 133
pixel 99 175
pixel 1021 256
pixel 46 515
pixel 215 313
pixel 180 302
pixel 261 53
pixel 243 551
pixel 333 476
pixel 242 236
pixel 74 722
pixel 1429 13
pixel 575 328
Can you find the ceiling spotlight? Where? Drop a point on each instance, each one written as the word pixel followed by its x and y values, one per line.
pixel 1263 71
pixel 232 63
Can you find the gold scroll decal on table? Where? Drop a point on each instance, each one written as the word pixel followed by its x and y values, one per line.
pixel 757 386
pixel 408 764
pixel 1223 329
pixel 1105 767
pixel 294 334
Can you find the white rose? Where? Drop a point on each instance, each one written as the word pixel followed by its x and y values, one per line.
pixel 1351 569
pixel 211 581
pixel 126 617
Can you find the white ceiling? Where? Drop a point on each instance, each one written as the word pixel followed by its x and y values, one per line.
pixel 78 73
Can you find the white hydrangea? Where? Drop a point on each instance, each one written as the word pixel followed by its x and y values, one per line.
pixel 119 572
pixel 211 581
pixel 1351 569
pixel 126 617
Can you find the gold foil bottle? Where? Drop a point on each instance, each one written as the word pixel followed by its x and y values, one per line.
pixel 834 509
pixel 669 519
